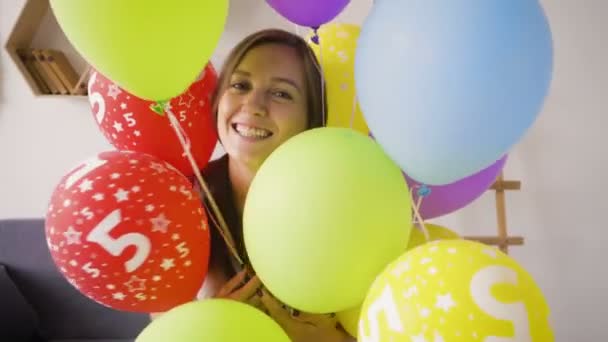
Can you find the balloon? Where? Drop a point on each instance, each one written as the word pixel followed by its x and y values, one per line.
pixel 338 220
pixel 152 49
pixel 445 199
pixel 436 232
pixel 213 320
pixel 455 290
pixel 127 230
pixel 311 13
pixel 448 88
pixel 130 123
pixel 349 319
pixel 336 54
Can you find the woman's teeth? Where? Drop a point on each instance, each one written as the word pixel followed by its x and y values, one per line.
pixel 251 132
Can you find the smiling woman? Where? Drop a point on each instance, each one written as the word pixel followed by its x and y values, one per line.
pixel 269 90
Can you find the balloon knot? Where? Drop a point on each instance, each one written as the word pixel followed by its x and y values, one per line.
pixel 424 191
pixel 315 37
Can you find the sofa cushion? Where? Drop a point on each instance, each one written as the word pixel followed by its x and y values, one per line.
pixel 63 312
pixel 18 321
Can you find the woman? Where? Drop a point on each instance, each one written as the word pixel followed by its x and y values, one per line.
pixel 269 90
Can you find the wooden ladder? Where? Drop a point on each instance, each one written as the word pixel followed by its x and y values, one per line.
pixel 502 239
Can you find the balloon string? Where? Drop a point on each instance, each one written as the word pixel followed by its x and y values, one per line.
pixel 419 218
pixel 222 227
pixel 316 39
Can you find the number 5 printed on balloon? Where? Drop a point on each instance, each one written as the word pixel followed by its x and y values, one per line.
pixel 96 98
pixel 101 235
pixel 516 313
pixel 385 303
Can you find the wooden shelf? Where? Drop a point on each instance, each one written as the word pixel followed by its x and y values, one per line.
pixel 44 56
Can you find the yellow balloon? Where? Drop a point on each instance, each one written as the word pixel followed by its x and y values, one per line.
pixel 349 319
pixel 436 232
pixel 336 53
pixel 455 290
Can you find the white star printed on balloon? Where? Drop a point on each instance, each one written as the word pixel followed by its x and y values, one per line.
pixel 167 264
pixel 491 253
pixel 418 338
pixel 445 302
pixel 136 284
pixel 118 296
pixel 150 208
pixel 98 197
pixel 115 175
pixel 121 195
pixel 160 223
pixel 412 291
pixel 137 133
pixel 186 99
pixel 160 168
pixel 72 236
pixel 123 106
pixel 117 126
pixel 86 185
pixel 114 91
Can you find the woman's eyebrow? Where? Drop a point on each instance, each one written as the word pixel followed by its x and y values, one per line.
pixel 288 81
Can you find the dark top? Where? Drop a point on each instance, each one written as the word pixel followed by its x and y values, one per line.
pixel 216 176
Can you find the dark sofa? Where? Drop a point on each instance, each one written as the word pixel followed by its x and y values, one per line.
pixel 38 304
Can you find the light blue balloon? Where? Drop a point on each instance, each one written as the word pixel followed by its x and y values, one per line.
pixel 448 87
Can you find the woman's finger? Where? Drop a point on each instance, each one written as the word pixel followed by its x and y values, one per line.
pixel 248 290
pixel 232 284
pixel 276 310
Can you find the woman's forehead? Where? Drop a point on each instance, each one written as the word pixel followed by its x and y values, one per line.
pixel 273 61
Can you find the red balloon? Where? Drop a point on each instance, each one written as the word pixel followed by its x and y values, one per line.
pixel 128 231
pixel 131 123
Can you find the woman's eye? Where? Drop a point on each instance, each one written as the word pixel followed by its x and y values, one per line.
pixel 238 85
pixel 282 94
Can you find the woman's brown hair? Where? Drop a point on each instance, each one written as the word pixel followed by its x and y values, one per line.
pixel 315 89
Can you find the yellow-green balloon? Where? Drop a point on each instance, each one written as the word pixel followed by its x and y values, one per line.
pixel 455 290
pixel 213 320
pixel 154 49
pixel 325 213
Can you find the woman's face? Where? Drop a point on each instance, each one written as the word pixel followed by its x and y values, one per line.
pixel 264 104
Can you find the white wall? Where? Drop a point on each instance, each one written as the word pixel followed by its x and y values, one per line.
pixel 559 209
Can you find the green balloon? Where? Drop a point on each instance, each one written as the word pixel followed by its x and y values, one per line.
pixel 213 320
pixel 153 49
pixel 325 214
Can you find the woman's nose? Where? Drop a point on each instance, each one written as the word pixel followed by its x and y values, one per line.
pixel 255 103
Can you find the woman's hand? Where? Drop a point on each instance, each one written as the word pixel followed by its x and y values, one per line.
pixel 304 327
pixel 241 288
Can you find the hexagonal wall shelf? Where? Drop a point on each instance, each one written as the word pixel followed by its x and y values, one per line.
pixel 44 56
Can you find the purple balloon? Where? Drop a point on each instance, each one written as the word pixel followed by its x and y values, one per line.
pixel 445 199
pixel 311 13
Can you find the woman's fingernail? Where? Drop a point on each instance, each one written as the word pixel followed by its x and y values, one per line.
pixel 296 313
pixel 260 292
